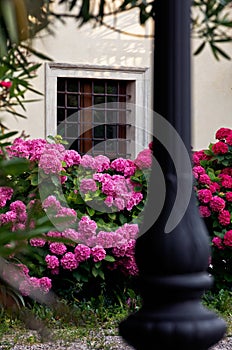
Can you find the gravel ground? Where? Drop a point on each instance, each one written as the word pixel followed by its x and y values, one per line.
pixel 95 341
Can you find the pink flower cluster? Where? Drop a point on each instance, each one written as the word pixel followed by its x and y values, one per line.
pixel 55 210
pixel 119 191
pixel 144 159
pixel 5 195
pixel 16 215
pixel 214 186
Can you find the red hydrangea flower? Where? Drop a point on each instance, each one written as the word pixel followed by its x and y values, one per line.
pixel 220 148
pixel 229 196
pixel 204 196
pixel 229 139
pixel 222 133
pixel 228 238
pixel 224 217
pixel 217 241
pixel 217 203
pixel 204 211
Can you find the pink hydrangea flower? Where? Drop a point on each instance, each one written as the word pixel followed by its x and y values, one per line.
pixel 220 148
pixel 57 248
pixel 87 161
pixel 105 239
pixel 87 226
pixel 51 202
pixel 217 203
pixel 36 148
pixel 98 253
pixel 109 201
pixel 101 163
pixel 9 216
pixel 119 164
pixel 25 287
pixel 5 195
pixel 54 234
pixel 18 206
pixel 69 261
pixel 19 148
pixel 87 185
pixel 71 234
pixel 51 160
pixel 37 242
pixel 52 261
pixel 228 238
pixel 71 157
pixel 224 217
pixel 204 211
pixel 198 156
pixel 82 252
pixel 144 159
pixel 129 266
pixel 45 284
pixel 197 171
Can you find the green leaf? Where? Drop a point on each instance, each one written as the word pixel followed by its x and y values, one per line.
pixel 122 219
pixel 36 53
pixel 200 48
pixel 55 180
pixel 95 272
pixel 90 211
pixel 109 258
pixel 14 166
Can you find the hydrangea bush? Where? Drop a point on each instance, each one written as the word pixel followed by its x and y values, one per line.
pixel 95 205
pixel 213 176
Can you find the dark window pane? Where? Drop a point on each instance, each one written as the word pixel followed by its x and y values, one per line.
pixel 72 85
pixel 99 99
pixel 72 100
pixel 122 131
pixel 60 115
pixel 112 98
pixel 61 100
pixel 122 89
pixel 99 132
pixel 111 132
pixel 72 112
pixel 61 84
pixel 112 88
pixel 99 87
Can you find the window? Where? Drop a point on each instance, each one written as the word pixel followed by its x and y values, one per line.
pixel 94 116
pixel 98 109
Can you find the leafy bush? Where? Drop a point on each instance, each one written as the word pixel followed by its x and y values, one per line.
pixel 213 174
pixel 95 206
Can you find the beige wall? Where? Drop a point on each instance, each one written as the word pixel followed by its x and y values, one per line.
pixel 212 80
pixel 211 96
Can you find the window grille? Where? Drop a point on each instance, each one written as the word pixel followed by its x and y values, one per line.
pixel 94 116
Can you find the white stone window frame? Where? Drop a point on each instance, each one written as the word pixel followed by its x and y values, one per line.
pixel 138 76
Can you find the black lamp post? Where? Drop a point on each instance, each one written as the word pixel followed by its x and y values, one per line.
pixel 173 265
